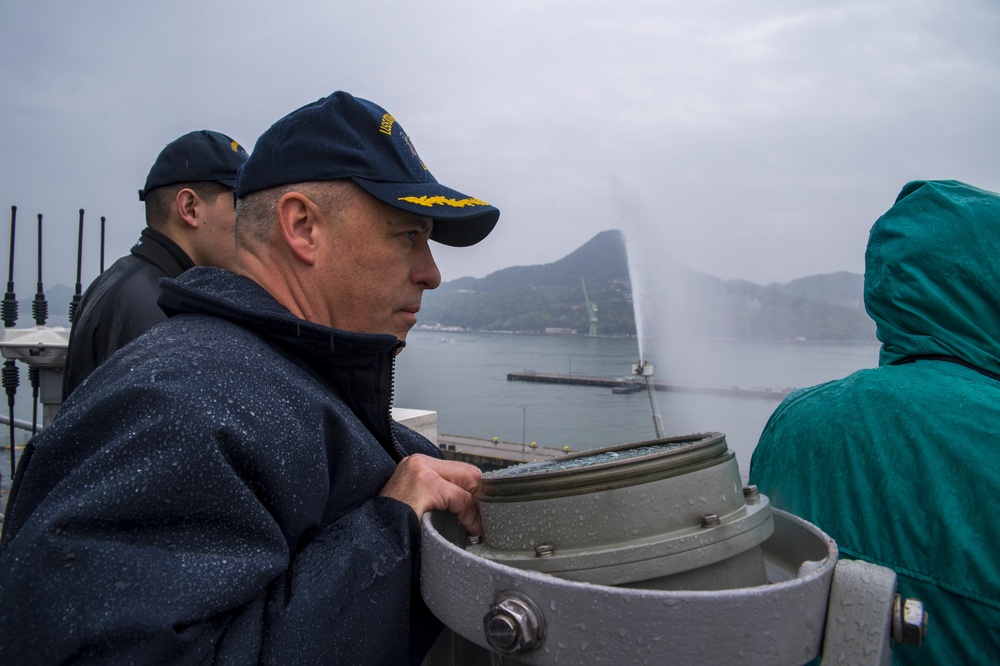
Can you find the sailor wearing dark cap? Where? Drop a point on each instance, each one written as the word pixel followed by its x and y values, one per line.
pixel 189 222
pixel 231 487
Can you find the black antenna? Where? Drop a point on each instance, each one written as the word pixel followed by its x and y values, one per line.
pixel 102 243
pixel 40 310
pixel 75 303
pixel 33 379
pixel 39 307
pixel 10 373
pixel 9 306
pixel 11 379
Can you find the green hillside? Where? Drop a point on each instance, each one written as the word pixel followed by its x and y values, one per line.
pixel 530 299
pixel 533 298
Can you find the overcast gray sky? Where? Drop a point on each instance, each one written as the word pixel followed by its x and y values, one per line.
pixel 755 140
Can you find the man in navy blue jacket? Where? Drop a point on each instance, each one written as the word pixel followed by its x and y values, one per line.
pixel 230 487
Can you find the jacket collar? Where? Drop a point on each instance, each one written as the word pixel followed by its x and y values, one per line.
pixel 157 249
pixel 357 366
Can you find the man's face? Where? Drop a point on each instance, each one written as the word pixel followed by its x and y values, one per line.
pixel 375 267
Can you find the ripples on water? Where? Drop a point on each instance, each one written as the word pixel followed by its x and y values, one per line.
pixel 463 377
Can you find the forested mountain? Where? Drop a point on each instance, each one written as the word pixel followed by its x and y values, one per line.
pixel 534 298
pixel 841 288
pixel 819 307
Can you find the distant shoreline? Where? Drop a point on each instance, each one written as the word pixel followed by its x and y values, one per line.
pixel 448 330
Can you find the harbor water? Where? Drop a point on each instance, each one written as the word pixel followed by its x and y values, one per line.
pixel 463 377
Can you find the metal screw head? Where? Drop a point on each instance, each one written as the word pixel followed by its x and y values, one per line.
pixel 473 540
pixel 513 625
pixel 710 519
pixel 751 494
pixel 909 621
pixel 502 631
pixel 544 550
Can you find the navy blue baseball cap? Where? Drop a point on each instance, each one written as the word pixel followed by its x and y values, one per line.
pixel 196 157
pixel 342 137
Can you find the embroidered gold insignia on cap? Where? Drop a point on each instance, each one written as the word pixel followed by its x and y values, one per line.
pixel 443 201
pixel 386 126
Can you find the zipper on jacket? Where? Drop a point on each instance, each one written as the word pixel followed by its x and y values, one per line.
pixel 400 453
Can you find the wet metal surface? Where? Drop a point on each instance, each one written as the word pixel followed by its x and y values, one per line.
pixel 651 514
pixel 780 623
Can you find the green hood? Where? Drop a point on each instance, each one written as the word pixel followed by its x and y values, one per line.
pixel 932 274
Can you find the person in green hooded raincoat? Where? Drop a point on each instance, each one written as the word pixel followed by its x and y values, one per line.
pixel 900 464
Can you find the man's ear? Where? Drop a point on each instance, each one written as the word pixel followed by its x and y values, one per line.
pixel 187 203
pixel 298 219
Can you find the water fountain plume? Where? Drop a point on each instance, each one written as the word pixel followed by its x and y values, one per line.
pixel 673 315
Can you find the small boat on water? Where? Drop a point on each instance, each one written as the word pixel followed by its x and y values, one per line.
pixel 627 387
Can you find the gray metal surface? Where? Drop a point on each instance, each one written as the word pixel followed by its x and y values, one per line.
pixel 40 346
pixel 858 625
pixel 638 514
pixel 780 623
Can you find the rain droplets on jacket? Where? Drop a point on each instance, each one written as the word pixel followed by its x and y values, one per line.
pixel 900 464
pixel 210 494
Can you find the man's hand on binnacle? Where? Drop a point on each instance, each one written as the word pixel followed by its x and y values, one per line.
pixel 429 484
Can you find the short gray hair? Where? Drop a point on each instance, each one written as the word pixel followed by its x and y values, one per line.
pixel 256 212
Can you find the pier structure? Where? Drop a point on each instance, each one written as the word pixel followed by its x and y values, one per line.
pixel 487 454
pixel 493 454
pixel 629 384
